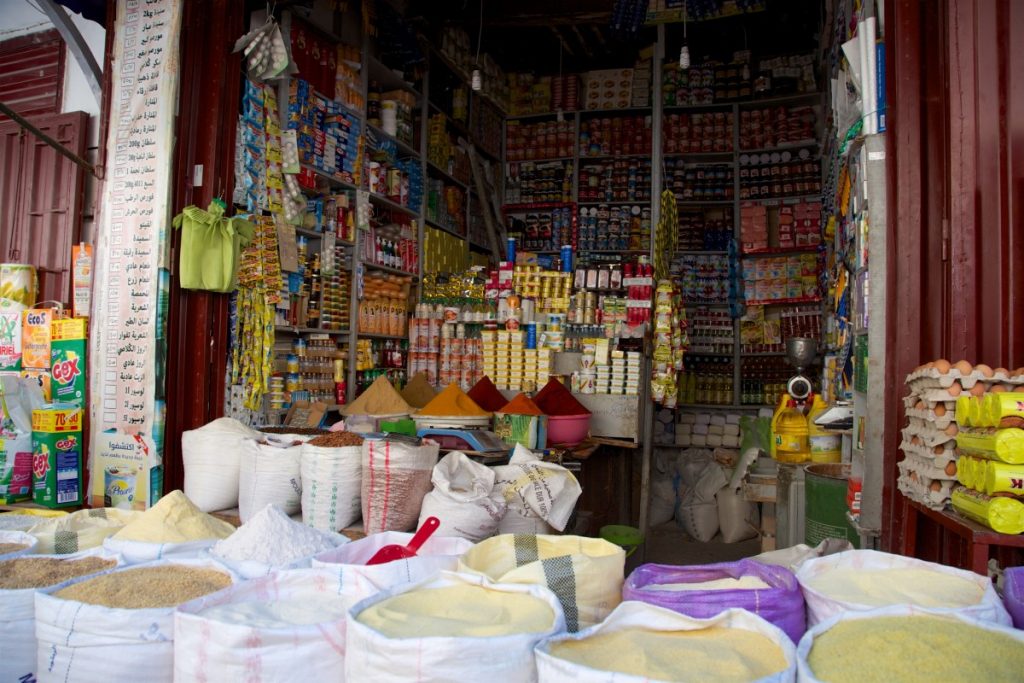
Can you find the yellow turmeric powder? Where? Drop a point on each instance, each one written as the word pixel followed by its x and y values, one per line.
pixel 452 402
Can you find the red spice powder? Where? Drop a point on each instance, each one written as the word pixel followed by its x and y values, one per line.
pixel 555 399
pixel 486 395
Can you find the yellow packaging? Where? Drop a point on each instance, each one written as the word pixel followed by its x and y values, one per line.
pixel 1003 478
pixel 999 513
pixel 1006 445
pixel 43 379
pixel 35 338
pixel 963 411
pixel 994 407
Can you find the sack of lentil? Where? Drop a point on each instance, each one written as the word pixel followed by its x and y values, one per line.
pixel 19 582
pixel 288 626
pixel 80 530
pixel 910 645
pixel 863 580
pixel 395 478
pixel 212 456
pixel 703 591
pixel 452 627
pixel 15 544
pixel 585 573
pixel 639 642
pixel 270 474
pixel 120 626
pixel 463 499
pixel 331 467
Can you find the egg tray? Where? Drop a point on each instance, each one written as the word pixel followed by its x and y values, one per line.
pixel 934 467
pixel 933 377
pixel 918 487
pixel 929 417
pixel 930 438
pixel 945 453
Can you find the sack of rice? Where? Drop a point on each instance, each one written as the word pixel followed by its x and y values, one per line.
pixel 20 579
pixel 173 528
pixel 909 645
pixel 453 627
pixel 15 544
pixel 212 457
pixel 288 626
pixel 863 580
pixel 702 591
pixel 640 642
pixel 270 474
pixel 120 625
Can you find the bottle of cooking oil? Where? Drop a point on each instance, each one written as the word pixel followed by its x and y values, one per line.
pixel 789 432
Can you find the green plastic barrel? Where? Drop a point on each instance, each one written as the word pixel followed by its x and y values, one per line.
pixel 825 515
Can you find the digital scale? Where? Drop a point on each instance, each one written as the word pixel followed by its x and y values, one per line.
pixel 476 442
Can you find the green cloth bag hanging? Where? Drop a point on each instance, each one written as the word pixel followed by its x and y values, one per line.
pixel 210 247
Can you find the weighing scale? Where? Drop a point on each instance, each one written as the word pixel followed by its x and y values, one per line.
pixel 467 434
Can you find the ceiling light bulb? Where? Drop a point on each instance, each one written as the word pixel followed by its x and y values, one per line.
pixel 684 57
pixel 477 81
pixel 746 72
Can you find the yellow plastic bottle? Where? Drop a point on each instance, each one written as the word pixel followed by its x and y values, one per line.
pixel 789 433
pixel 825 446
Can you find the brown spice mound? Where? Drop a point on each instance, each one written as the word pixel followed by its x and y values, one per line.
pixel 301 431
pixel 39 572
pixel 337 440
pixel 148 587
pixel 11 547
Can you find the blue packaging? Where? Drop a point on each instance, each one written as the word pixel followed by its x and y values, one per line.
pixel 531 335
pixel 566 258
pixel 510 250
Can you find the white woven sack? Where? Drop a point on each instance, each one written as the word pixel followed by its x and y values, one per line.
pixel 80 530
pixel 21 538
pixel 269 474
pixel 541 496
pixel 18 621
pixel 331 481
pixel 791 558
pixel 91 643
pixel 373 656
pixel 641 616
pixel 396 477
pixel 463 499
pixel 803 649
pixel 139 552
pixel 821 607
pixel 213 650
pixel 212 456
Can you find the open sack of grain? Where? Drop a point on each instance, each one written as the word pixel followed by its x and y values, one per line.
pixel 639 642
pixel 120 625
pixel 20 579
pixel 453 627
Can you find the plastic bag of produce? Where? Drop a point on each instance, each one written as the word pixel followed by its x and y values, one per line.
pixel 88 641
pixel 463 498
pixel 639 642
pixel 791 558
pixel 17 605
pixel 80 530
pixel 703 591
pixel 1013 594
pixel 212 456
pixel 498 651
pixel 331 481
pixel 396 477
pixel 15 544
pixel 288 626
pixel 903 643
pixel 270 474
pixel 540 496
pixel 585 573
pixel 863 580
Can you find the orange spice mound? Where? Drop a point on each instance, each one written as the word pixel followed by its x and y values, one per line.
pixel 521 405
pixel 452 402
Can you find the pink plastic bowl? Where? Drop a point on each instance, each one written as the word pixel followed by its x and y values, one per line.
pixel 567 430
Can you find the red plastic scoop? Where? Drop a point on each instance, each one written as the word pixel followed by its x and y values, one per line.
pixel 390 553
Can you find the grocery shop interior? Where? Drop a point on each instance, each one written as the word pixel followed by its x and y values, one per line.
pixel 653 339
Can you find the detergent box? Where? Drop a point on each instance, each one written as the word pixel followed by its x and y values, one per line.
pixel 10 341
pixel 67 360
pixel 35 338
pixel 57 455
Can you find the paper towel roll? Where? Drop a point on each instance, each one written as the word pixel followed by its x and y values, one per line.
pixel 699 440
pixel 714 439
pixel 702 419
pixel 731 441
pixel 700 429
pixel 715 429
pixel 731 430
pixel 732 419
pixel 682 439
pixel 718 419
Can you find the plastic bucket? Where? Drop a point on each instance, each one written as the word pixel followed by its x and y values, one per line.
pixel 825 513
pixel 628 538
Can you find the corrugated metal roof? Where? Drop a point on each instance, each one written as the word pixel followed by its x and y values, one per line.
pixel 32 73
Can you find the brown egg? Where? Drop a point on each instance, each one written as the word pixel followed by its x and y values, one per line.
pixel 1018 371
pixel 952 430
pixel 1001 371
pixel 951 469
pixel 939 450
pixel 978 389
pixel 955 389
pixel 936 486
pixel 963 367
pixel 920 405
pixel 939 410
pixel 985 370
pixel 997 388
pixel 942 365
pixel 916 441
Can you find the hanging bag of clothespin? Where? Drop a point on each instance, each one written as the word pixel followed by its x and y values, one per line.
pixel 210 247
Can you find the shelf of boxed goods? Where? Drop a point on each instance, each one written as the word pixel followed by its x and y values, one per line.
pixel 388 269
pixel 446 176
pixel 289 329
pixel 439 226
pixel 390 204
pixel 781 201
pixel 387 78
pixel 313 234
pixel 774 251
pixel 787 147
pixel 466 78
pixel 376 335
pixel 777 302
pixel 403 147
pixel 332 180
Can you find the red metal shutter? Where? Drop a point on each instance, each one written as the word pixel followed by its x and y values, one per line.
pixel 32 73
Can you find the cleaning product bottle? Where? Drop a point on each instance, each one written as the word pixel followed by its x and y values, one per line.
pixel 789 433
pixel 826 446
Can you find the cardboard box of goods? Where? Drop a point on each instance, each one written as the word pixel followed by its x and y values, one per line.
pixel 125 472
pixel 68 361
pixel 57 457
pixel 35 338
pixel 10 341
pixel 794 289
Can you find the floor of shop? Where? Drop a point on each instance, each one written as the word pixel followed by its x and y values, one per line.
pixel 667 544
